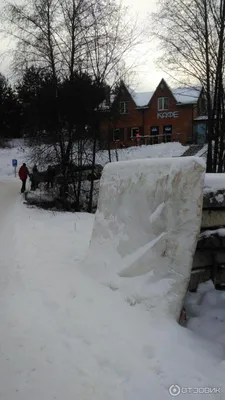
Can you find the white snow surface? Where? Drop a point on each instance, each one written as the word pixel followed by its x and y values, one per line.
pixel 162 150
pixel 187 95
pixel 141 99
pixel 201 118
pixel 206 311
pixel 202 152
pixel 214 182
pixel 66 336
pixel 183 95
pixel 20 152
pixel 146 228
pixel 220 232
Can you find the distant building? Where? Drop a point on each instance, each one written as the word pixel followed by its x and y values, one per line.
pixel 164 115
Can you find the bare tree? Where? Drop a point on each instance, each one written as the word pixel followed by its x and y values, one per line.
pixel 71 35
pixel 191 37
pixel 66 38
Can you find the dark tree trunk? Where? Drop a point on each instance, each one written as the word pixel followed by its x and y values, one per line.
pixel 90 204
pixel 209 165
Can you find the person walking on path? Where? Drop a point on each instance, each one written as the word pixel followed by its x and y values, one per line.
pixel 23 174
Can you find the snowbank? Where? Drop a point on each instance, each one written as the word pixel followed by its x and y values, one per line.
pixel 135 153
pixel 206 311
pixel 219 232
pixel 65 336
pixel 16 151
pixel 146 228
pixel 21 152
pixel 214 182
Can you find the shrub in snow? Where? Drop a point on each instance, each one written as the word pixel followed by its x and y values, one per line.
pixel 51 199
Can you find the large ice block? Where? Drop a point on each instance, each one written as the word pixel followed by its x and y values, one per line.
pixel 146 228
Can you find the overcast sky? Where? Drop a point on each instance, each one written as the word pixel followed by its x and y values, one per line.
pixel 147 75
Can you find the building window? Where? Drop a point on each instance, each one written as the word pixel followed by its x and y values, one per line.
pixel 154 130
pixel 118 134
pixel 134 132
pixel 163 103
pixel 124 107
pixel 167 132
pixel 167 129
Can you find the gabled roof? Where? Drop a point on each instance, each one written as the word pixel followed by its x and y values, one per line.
pixel 183 95
pixel 141 99
pixel 187 95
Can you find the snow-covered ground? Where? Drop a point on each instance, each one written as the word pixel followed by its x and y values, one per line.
pixel 18 152
pixel 206 313
pixel 214 182
pixel 65 336
pixel 134 153
pixel 21 153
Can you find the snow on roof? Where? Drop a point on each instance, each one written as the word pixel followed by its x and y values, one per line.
pixel 201 118
pixel 185 95
pixel 141 99
pixel 202 152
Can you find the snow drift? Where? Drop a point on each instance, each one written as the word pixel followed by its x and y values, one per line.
pixel 145 230
pixel 66 336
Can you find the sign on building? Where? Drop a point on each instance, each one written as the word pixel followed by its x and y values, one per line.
pixel 171 114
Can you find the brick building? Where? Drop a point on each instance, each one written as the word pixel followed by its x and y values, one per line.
pixel 160 116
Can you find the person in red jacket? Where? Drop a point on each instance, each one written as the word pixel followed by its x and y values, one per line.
pixel 23 174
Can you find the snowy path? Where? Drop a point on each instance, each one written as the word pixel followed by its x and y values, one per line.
pixel 36 361
pixel 9 191
pixel 64 336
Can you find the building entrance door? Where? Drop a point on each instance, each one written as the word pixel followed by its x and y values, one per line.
pixel 201 133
